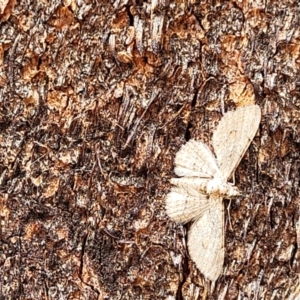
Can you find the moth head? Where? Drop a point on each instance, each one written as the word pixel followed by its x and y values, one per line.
pixel 232 191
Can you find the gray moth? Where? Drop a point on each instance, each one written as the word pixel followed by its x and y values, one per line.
pixel 198 193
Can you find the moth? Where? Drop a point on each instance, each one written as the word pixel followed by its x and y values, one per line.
pixel 198 193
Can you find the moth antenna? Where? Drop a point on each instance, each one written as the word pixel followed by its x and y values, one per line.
pixel 233 177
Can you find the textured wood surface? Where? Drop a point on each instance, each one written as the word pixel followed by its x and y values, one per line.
pixel 96 99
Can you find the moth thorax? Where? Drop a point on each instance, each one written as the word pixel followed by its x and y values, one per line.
pixel 219 187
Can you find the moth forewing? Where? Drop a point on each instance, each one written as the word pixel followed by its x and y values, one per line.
pixel 233 135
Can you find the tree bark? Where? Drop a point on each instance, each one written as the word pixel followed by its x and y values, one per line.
pixel 96 99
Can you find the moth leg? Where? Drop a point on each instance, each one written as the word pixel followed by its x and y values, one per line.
pixel 212 287
pixel 228 211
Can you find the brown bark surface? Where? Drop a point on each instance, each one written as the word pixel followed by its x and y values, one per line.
pixel 96 98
